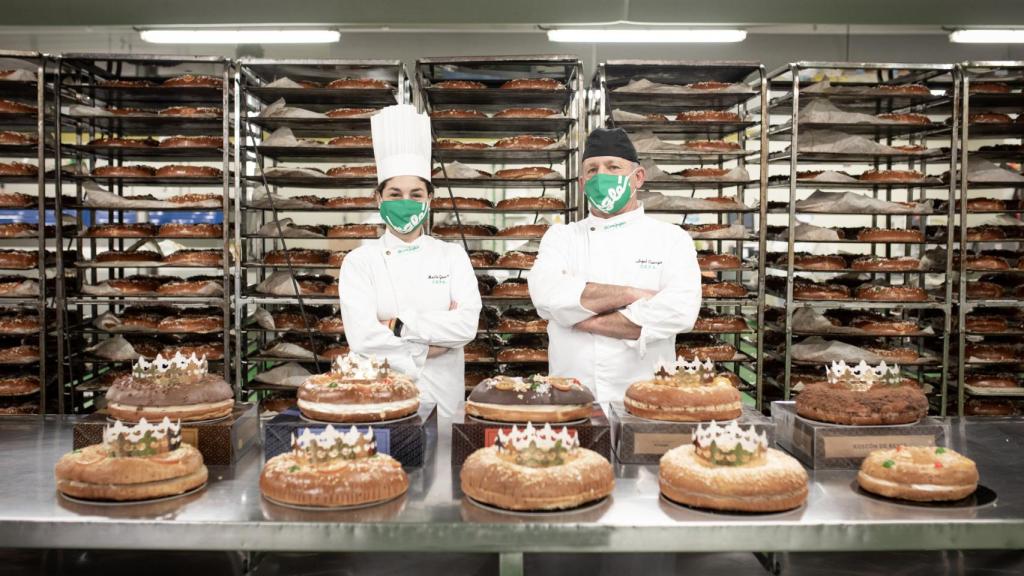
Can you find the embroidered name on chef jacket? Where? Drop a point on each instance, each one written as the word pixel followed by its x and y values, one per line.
pixel 438 278
pixel 406 249
pixel 614 226
pixel 646 264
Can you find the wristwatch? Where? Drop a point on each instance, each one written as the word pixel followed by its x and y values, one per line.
pixel 397 329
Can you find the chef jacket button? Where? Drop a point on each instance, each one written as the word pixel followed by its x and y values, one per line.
pixel 592 228
pixel 388 252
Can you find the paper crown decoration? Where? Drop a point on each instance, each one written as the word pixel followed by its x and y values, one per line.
pixel 353 366
pixel 537 448
pixel 729 445
pixel 170 368
pixel 684 372
pixel 329 444
pixel 863 376
pixel 142 439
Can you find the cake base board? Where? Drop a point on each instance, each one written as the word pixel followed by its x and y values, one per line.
pixel 221 442
pixel 643 441
pixel 404 439
pixel 470 434
pixel 86 501
pixel 824 446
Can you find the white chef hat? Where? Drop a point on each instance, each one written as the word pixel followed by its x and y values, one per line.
pixel 401 142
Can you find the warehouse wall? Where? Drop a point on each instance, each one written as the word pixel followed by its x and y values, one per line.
pixel 771 49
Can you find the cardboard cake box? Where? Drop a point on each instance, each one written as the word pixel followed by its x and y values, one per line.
pixel 470 434
pixel 404 440
pixel 221 443
pixel 644 441
pixel 823 446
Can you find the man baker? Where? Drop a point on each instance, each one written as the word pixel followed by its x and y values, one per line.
pixel 617 286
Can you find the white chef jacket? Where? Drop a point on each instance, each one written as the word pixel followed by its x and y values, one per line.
pixel 415 282
pixel 630 249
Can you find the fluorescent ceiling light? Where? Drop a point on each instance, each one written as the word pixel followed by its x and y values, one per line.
pixel 250 36
pixel 983 36
pixel 644 35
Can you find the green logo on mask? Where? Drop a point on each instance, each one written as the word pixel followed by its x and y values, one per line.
pixel 404 216
pixel 608 193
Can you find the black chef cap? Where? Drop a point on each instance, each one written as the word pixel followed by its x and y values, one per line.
pixel 610 142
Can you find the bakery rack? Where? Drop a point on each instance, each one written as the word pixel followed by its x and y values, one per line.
pixel 84 102
pixel 27 78
pixel 615 101
pixel 451 180
pixel 264 159
pixel 795 132
pixel 1002 144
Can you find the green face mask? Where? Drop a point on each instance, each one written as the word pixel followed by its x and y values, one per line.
pixel 607 192
pixel 404 216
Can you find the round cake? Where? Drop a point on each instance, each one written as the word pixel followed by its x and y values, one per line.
pixel 889 235
pixel 350 112
pixel 192 142
pixel 124 171
pixel 684 392
pixel 918 473
pixel 512 288
pixel 481 258
pixel 189 257
pixel 355 231
pixel 173 230
pixel 517 260
pixel 707 116
pixel 296 257
pixel 526 113
pixel 193 81
pixel 712 146
pixel 525 231
pixel 190 111
pixel 876 292
pixel 457 113
pixel 891 176
pixel 178 387
pixel 878 264
pixel 353 172
pixel 461 202
pixel 533 399
pixel 331 469
pixel 727 468
pixel 863 395
pixel 123 142
pixel 358 84
pixel 358 389
pixel 716 289
pixel 454 231
pixel 449 144
pixel 533 84
pixel 813 291
pixel 712 261
pixel 140 462
pixel 525 142
pixel 459 85
pixel 357 141
pixel 530 469
pixel 527 173
pixel 531 203
pixel 186 171
pixel 13 384
pixel 815 262
pixel 905 118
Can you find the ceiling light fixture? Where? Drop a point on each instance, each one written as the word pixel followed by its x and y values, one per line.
pixel 645 35
pixel 248 36
pixel 984 36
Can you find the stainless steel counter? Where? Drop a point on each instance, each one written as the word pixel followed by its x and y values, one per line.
pixel 230 514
